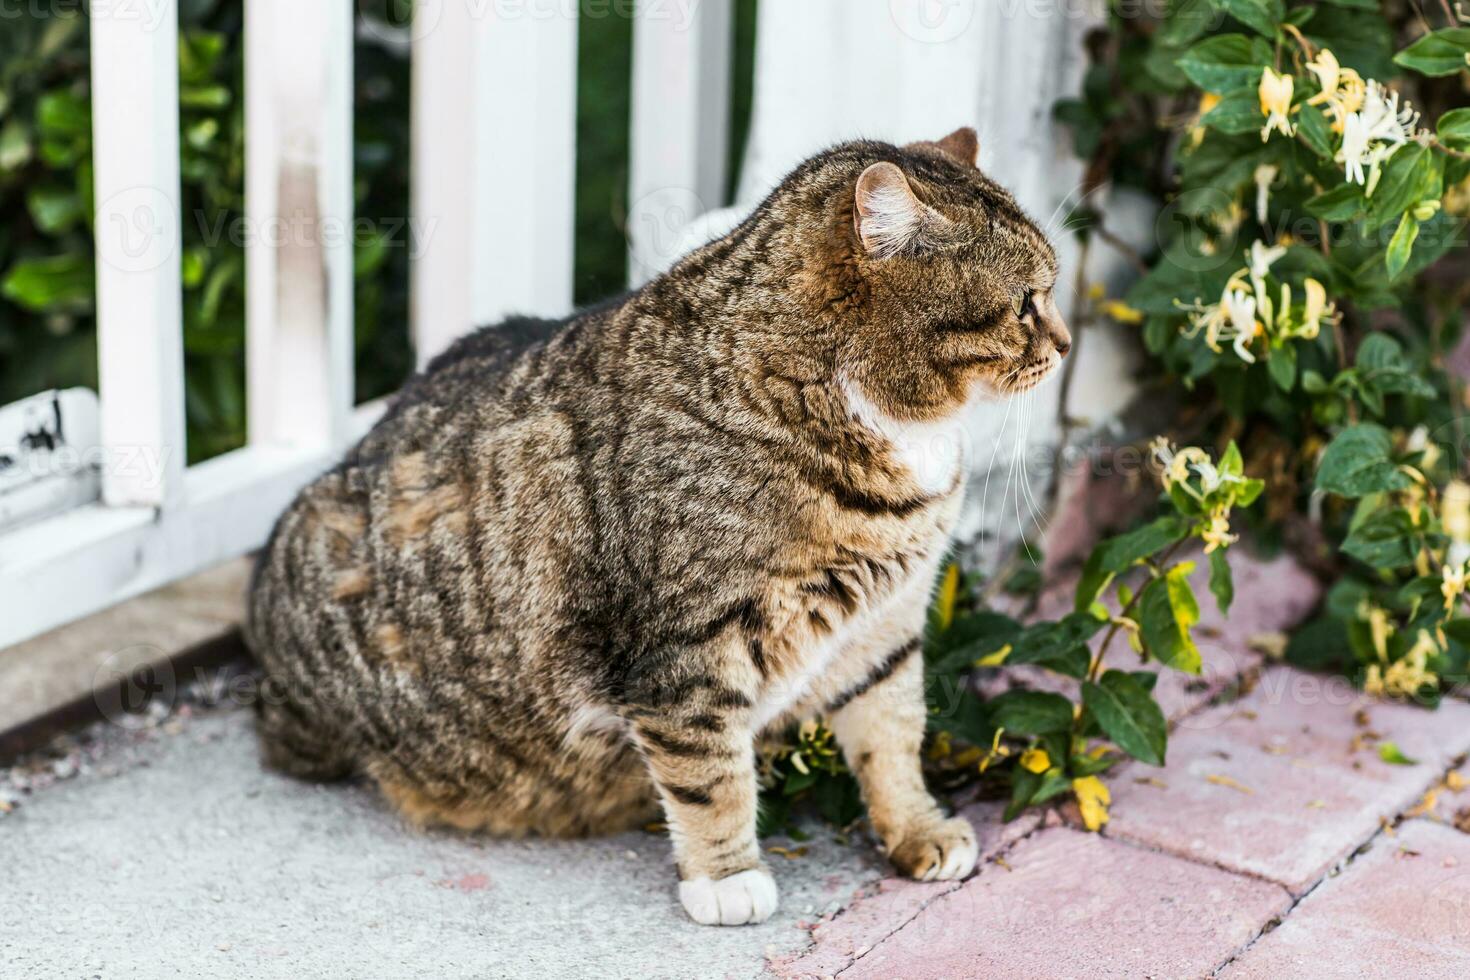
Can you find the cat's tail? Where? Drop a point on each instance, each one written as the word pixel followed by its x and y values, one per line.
pixel 297 746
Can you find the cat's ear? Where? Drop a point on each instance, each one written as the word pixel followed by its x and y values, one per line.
pixel 963 144
pixel 888 217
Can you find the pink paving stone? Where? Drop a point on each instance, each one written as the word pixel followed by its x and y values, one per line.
pixel 1400 910
pixel 1270 596
pixel 882 909
pixel 1313 796
pixel 1079 905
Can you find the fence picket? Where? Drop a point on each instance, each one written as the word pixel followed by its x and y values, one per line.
pixel 494 105
pixel 299 242
pixel 135 135
pixel 680 126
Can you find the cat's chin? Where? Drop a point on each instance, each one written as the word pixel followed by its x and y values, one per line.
pixel 1026 378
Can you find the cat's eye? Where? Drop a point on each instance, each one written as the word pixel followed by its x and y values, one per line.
pixel 1021 302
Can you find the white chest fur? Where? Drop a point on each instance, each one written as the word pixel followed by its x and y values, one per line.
pixel 932 452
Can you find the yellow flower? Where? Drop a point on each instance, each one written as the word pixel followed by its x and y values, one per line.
pixel 1373 681
pixel 1316 308
pixel 1342 89
pixel 1453 585
pixel 1380 630
pixel 1035 760
pixel 1457 199
pixel 1328 72
pixel 1218 535
pixel 1122 312
pixel 948 591
pixel 1406 676
pixel 1454 513
pixel 997 751
pixel 1092 799
pixel 1275 92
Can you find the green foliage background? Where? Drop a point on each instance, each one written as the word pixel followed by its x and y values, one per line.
pixel 47 330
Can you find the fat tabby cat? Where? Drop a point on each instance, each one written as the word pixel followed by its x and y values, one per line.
pixel 582 567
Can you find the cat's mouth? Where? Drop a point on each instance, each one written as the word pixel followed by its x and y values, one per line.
pixel 1029 375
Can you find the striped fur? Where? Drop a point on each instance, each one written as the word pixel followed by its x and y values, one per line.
pixel 581 566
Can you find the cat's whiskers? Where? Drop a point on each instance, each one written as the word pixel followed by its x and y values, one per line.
pixel 990 468
pixel 1038 513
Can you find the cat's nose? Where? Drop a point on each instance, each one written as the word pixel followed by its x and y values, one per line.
pixel 1063 344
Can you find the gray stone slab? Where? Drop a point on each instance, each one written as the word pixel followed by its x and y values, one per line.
pixel 171 852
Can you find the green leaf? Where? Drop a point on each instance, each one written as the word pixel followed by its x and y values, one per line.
pixel 1386 539
pixel 1402 244
pixel 1321 644
pixel 64 115
pixel 1440 53
pixel 1454 128
pixel 1031 712
pixel 1361 39
pixel 1342 203
pixel 1239 112
pixel 1391 753
pixel 15 146
pixel 1413 174
pixel 1118 553
pixel 1060 646
pixel 1024 786
pixel 54 209
pixel 1263 16
pixel 1128 714
pixel 1222 583
pixel 1225 62
pixel 1092 581
pixel 63 283
pixel 1315 131
pixel 1187 20
pixel 1282 366
pixel 1166 611
pixel 1358 461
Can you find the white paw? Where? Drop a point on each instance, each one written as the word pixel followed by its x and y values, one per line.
pixel 744 897
pixel 941 851
pixel 959 857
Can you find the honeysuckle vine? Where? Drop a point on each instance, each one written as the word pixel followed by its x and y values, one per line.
pixel 1301 305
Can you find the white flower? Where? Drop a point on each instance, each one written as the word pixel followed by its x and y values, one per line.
pixel 1263 256
pixel 1240 308
pixel 1265 174
pixel 1371 135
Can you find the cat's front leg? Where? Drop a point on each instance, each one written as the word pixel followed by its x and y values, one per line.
pixel 881 731
pixel 701 754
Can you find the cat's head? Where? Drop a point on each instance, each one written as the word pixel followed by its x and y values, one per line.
pixel 957 284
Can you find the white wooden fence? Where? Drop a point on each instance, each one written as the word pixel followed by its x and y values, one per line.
pixel 493 161
pixel 494 101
